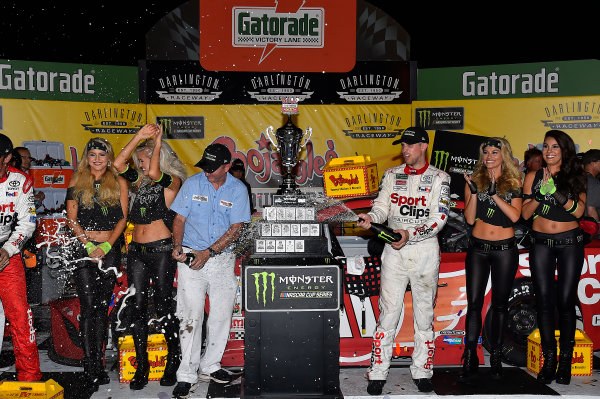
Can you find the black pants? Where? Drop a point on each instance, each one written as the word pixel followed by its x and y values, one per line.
pixel 94 287
pixel 551 253
pixel 151 263
pixel 501 258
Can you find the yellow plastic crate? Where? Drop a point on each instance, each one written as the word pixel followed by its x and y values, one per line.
pixel 583 353
pixel 157 356
pixel 39 390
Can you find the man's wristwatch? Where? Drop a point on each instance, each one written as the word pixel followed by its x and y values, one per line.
pixel 212 252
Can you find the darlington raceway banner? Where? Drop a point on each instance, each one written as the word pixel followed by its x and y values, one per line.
pixel 186 82
pixel 523 122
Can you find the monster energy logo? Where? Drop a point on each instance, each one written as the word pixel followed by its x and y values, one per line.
pixel 265 285
pixel 545 209
pixel 143 212
pixel 386 237
pixel 104 210
pixel 424 117
pixel 167 125
pixel 490 212
pixel 440 159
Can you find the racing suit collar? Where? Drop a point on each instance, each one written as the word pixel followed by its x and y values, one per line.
pixel 411 171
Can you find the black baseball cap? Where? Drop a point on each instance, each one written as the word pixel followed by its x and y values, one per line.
pixel 237 164
pixel 413 135
pixel 6 145
pixel 214 156
pixel 590 156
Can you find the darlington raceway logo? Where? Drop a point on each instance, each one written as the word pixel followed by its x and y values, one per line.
pixel 113 120
pixel 452 118
pixel 375 125
pixel 450 163
pixel 369 88
pixel 576 114
pixel 287 25
pixel 189 87
pixel 275 86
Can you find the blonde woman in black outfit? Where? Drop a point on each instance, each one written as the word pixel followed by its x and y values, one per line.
pixel 96 213
pixel 493 200
pixel 555 197
pixel 156 178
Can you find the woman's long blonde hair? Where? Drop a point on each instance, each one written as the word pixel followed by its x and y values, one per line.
pixel 169 162
pixel 84 190
pixel 511 177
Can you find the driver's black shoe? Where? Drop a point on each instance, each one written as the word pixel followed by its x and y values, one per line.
pixel 423 384
pixel 375 387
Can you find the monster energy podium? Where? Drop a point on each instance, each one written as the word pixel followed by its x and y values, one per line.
pixel 291 327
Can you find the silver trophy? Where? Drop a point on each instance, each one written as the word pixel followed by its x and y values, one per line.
pixel 288 143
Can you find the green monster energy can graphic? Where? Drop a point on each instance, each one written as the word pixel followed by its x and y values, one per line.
pixel 440 159
pixel 265 284
pixel 490 212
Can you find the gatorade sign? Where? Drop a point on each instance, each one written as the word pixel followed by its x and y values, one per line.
pixel 278 35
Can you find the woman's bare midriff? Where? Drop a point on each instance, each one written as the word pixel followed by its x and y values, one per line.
pixel 489 232
pixel 157 230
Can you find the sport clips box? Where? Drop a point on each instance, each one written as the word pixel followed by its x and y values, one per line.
pixel 581 364
pixel 350 177
pixel 157 356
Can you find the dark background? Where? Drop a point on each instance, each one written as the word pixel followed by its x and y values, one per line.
pixel 442 35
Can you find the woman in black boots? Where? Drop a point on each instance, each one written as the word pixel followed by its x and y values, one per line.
pixel 493 199
pixel 555 197
pixel 97 201
pixel 156 178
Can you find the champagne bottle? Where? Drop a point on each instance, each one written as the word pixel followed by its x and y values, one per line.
pixel 384 232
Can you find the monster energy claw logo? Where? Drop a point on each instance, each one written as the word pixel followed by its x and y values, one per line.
pixel 264 282
pixel 104 210
pixel 167 125
pixel 440 159
pixel 490 212
pixel 143 212
pixel 424 117
pixel 545 209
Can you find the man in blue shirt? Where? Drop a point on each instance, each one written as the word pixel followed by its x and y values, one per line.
pixel 211 208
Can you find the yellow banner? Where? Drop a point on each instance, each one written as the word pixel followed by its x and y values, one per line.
pixel 523 122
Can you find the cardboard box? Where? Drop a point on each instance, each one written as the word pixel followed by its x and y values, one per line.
pixel 350 177
pixel 157 356
pixel 56 177
pixel 40 390
pixel 583 353
pixel 52 230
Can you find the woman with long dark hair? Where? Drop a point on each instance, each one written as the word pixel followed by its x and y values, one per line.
pixel 493 200
pixel 555 197
pixel 156 178
pixel 97 201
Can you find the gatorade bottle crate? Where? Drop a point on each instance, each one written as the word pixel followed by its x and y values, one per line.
pixel 51 177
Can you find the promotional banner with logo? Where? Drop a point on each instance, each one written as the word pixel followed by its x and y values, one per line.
pixel 270 35
pixel 337 131
pixel 71 123
pixel 68 82
pixel 523 122
pixel 186 82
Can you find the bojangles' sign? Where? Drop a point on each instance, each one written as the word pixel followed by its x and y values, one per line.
pixel 278 35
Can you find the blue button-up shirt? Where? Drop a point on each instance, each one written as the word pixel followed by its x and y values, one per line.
pixel 209 213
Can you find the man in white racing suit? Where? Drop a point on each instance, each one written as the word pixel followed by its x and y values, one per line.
pixel 17 224
pixel 414 199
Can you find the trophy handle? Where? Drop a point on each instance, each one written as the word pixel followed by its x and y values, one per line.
pixel 269 131
pixel 309 132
